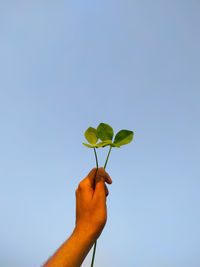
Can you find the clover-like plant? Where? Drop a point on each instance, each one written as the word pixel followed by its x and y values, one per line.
pixel 105 133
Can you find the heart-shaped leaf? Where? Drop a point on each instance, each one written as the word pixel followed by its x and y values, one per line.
pixel 123 137
pixel 114 145
pixel 91 135
pixel 87 145
pixel 105 132
pixel 104 143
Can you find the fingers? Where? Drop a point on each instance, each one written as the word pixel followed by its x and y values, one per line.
pixel 101 190
pixel 94 173
pixel 100 172
pixel 99 193
pixel 94 176
pixel 108 179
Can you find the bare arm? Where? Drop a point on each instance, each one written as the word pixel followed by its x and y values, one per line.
pixel 91 216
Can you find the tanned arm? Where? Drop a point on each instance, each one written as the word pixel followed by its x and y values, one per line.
pixel 91 216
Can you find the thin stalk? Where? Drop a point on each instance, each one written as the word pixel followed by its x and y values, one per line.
pixel 95 244
pixel 107 157
pixel 96 157
pixel 94 250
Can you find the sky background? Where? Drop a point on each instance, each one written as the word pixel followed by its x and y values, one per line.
pixel 68 65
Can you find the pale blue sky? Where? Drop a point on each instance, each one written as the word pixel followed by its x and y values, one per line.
pixel 68 65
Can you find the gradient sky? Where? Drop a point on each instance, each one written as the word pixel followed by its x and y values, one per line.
pixel 68 65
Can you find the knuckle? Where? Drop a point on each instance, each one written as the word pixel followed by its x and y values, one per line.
pixel 101 172
pixel 81 185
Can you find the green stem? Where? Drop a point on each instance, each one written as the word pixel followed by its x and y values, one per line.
pixel 96 157
pixel 94 250
pixel 95 244
pixel 107 157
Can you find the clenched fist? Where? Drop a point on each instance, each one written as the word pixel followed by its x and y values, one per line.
pixel 91 210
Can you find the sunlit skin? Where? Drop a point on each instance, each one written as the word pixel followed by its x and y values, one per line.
pixel 91 216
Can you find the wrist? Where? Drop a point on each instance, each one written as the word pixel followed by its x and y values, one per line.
pixel 85 234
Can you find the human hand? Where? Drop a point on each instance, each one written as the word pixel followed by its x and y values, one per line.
pixel 91 210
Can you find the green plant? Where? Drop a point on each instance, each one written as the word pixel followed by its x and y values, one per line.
pixel 105 133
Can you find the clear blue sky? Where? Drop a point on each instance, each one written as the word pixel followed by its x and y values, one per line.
pixel 68 65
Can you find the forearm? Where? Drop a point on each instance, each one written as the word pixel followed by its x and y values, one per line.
pixel 73 252
pixel 91 215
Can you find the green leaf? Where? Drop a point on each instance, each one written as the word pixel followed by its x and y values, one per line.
pixel 91 135
pixel 123 137
pixel 87 145
pixel 103 144
pixel 115 145
pixel 104 132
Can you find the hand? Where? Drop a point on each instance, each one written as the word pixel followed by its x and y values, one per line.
pixel 91 210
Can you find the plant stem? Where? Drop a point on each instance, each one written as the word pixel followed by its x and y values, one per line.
pixel 95 244
pixel 94 250
pixel 107 157
pixel 96 157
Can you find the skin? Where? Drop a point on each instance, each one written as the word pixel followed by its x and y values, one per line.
pixel 91 216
